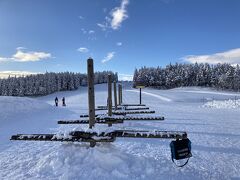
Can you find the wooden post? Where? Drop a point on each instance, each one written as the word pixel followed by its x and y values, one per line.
pixel 109 95
pixel 91 98
pixel 119 94
pixel 115 94
pixel 140 96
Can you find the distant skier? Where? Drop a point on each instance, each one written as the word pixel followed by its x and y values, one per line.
pixel 56 101
pixel 63 101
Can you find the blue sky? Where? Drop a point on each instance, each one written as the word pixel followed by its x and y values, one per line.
pixel 120 35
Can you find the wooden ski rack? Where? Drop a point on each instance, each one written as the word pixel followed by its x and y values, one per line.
pixel 98 121
pixel 124 108
pixel 86 115
pixel 133 105
pixel 108 136
pixel 132 112
pixel 131 118
pixel 139 108
pixel 121 113
pixel 112 120
pixel 101 109
pixel 105 107
pixel 94 137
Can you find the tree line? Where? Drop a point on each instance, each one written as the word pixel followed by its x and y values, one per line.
pixel 219 76
pixel 43 84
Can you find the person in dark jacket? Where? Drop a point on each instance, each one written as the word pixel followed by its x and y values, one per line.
pixel 63 101
pixel 56 101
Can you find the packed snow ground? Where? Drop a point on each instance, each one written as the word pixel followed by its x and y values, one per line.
pixel 214 134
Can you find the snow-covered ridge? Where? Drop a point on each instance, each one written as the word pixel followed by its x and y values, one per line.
pixel 226 104
pixel 19 106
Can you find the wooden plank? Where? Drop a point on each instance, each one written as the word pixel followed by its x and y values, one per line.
pixel 112 120
pixel 87 115
pixel 134 134
pixel 85 137
pixel 129 118
pixel 98 121
pixel 127 109
pixel 132 112
pixel 133 104
pixel 138 108
pixel 91 98
pixel 122 105
pixel 93 137
pixel 104 109
pixel 150 134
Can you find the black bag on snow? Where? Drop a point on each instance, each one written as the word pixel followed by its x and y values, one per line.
pixel 181 149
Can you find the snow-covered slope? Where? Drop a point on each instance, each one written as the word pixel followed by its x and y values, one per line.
pixel 214 134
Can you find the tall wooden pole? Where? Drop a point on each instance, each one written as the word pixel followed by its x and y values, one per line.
pixel 140 95
pixel 109 95
pixel 119 94
pixel 91 98
pixel 115 94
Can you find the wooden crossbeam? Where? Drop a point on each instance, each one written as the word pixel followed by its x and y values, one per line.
pixel 105 107
pixel 111 120
pixel 140 108
pixel 61 137
pixel 132 112
pixel 98 121
pixel 125 118
pixel 150 134
pixel 133 105
pixel 127 109
pixel 101 109
pixel 121 113
pixel 86 115
pixel 93 137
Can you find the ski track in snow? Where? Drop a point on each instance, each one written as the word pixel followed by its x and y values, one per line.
pixel 214 134
pixel 153 95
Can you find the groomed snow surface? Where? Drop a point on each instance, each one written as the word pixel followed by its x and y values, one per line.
pixel 214 132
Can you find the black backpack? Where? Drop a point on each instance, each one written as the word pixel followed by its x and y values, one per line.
pixel 181 149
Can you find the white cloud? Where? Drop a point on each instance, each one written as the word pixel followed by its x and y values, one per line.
pixel 109 56
pixel 83 50
pixel 119 43
pixel 91 32
pixel 125 77
pixel 117 16
pixel 103 26
pixel 22 56
pixel 81 17
pixel 6 74
pixel 4 59
pixel 231 56
pixel 83 31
